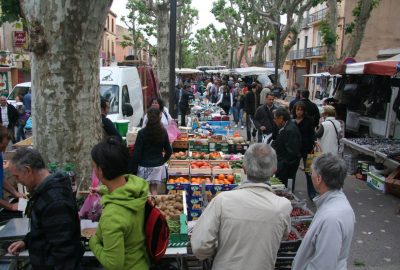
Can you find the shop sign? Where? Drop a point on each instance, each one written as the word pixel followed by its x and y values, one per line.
pixel 20 39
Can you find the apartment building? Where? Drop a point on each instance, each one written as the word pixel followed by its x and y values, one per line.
pixel 14 57
pixel 108 43
pixel 309 54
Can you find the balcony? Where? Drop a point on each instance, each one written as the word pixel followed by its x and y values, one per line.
pixel 296 54
pixel 315 52
pixel 317 16
pixel 305 23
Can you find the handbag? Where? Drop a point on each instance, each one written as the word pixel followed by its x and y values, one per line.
pixel 28 124
pixel 316 152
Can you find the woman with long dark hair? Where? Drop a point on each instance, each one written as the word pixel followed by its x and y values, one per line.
pixel 166 118
pixel 306 129
pixel 152 150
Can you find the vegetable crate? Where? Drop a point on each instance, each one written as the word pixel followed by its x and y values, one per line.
pixel 220 167
pixel 180 239
pixel 180 144
pixel 218 146
pixel 291 244
pixel 178 167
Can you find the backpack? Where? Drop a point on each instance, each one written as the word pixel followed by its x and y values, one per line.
pixel 156 232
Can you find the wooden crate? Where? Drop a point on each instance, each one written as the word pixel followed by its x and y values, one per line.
pixel 219 171
pixel 178 167
pixel 180 145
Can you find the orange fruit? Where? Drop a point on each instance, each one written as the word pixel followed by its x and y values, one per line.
pixel 221 176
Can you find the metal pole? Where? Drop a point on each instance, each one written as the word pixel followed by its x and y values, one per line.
pixel 278 41
pixel 172 48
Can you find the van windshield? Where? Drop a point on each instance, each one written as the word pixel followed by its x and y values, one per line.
pixel 111 94
pixel 18 90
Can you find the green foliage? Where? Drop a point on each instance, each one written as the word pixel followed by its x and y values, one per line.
pixel 10 11
pixel 329 37
pixel 348 29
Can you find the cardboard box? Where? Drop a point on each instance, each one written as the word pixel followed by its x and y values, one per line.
pixel 376 181
pixel 392 184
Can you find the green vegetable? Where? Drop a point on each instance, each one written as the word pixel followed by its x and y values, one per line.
pixel 174 226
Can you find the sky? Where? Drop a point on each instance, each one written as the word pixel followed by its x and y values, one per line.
pixel 203 6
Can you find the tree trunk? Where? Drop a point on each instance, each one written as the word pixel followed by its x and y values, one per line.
pixel 332 24
pixel 65 42
pixel 163 50
pixel 359 28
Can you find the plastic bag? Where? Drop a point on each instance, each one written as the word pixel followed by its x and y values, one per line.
pixel 28 124
pixel 173 131
pixel 91 208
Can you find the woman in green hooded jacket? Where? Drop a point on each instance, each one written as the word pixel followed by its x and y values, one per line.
pixel 119 242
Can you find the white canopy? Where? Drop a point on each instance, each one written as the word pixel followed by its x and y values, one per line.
pixel 322 74
pixel 187 71
pixel 251 71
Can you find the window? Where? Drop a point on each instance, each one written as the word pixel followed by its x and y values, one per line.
pixel 111 94
pixel 125 95
pixel 112 25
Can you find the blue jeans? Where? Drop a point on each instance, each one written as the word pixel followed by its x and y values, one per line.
pixel 21 133
pixel 235 113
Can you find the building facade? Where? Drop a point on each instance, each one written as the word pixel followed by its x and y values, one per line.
pixel 309 54
pixel 14 57
pixel 108 43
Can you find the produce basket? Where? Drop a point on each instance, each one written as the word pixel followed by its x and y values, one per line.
pixel 182 155
pixel 288 195
pixel 291 244
pixel 301 226
pixel 301 212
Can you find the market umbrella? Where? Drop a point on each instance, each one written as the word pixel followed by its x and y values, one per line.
pixel 386 68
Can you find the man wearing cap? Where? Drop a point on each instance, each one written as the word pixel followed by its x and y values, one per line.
pixel 329 131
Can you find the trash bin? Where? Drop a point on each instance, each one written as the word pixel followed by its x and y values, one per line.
pixel 122 127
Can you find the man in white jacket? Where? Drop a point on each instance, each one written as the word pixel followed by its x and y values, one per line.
pixel 326 244
pixel 243 228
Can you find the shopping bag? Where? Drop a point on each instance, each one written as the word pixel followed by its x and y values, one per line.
pixel 316 152
pixel 267 138
pixel 91 208
pixel 28 124
pixel 173 131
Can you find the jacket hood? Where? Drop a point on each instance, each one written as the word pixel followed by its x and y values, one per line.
pixel 132 195
pixel 58 180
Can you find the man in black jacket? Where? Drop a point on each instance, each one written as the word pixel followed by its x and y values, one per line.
pixel 54 238
pixel 287 146
pixel 8 116
pixel 311 108
pixel 184 96
pixel 263 119
pixel 250 105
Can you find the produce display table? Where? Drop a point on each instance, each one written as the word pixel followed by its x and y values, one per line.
pixel 381 149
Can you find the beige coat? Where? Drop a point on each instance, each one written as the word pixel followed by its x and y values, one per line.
pixel 242 228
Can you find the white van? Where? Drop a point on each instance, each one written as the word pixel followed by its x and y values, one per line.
pixel 121 86
pixel 20 89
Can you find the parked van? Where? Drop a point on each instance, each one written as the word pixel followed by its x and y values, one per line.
pixel 121 86
pixel 19 89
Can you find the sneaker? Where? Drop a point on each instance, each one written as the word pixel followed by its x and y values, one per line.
pixel 236 126
pixel 242 127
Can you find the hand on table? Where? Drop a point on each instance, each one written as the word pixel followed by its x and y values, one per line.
pixel 16 247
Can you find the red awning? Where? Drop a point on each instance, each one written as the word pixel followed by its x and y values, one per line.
pixel 386 68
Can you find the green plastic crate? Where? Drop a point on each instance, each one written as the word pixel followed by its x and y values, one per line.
pixel 180 239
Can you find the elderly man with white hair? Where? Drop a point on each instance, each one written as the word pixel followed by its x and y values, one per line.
pixel 243 228
pixel 326 244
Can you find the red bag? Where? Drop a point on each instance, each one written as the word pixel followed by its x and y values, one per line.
pixel 156 232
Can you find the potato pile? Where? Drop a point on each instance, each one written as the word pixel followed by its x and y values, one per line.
pixel 170 205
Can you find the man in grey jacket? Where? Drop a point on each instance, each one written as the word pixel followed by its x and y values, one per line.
pixel 326 245
pixel 243 228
